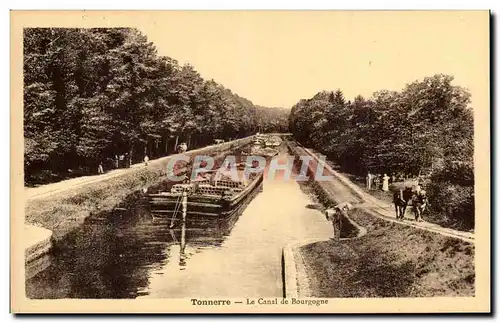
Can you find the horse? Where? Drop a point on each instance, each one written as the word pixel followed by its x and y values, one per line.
pixel 401 200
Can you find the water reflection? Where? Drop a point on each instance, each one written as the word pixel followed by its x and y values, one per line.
pixel 182 256
pixel 132 255
pixel 114 257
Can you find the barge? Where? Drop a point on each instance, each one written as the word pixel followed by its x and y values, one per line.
pixel 209 199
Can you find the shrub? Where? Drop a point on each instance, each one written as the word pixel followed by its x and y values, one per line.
pixel 451 204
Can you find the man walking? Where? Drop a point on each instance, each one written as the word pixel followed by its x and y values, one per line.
pixel 419 204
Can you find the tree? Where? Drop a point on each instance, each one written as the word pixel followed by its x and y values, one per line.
pixel 90 94
pixel 425 129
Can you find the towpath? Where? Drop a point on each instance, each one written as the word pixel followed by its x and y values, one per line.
pixel 342 189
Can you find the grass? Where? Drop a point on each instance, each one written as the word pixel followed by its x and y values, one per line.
pixel 64 212
pixel 391 260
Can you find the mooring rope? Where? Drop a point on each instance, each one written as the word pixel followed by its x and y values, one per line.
pixel 177 207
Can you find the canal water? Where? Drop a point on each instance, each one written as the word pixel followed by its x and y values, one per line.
pixel 134 256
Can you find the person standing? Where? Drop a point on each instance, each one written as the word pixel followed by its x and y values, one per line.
pixel 334 216
pixel 146 160
pixel 337 215
pixel 419 204
pixel 369 181
pixel 128 160
pixel 100 169
pixel 385 183
pixel 117 163
pixel 376 181
pixel 182 148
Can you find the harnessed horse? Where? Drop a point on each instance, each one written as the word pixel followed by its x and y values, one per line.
pixel 401 200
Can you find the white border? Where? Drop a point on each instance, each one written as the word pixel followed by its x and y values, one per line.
pixel 175 5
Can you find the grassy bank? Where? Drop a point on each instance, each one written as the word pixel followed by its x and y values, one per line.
pixel 63 212
pixel 391 260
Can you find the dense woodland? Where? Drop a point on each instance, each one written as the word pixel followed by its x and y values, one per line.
pixel 426 129
pixel 90 94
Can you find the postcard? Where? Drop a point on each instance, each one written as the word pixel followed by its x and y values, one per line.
pixel 250 162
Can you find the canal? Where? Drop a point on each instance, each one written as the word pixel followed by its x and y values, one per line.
pixel 134 256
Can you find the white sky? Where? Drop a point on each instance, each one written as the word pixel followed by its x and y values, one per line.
pixel 278 58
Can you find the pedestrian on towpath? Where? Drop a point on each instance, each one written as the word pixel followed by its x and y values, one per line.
pixel 369 181
pixel 146 160
pixel 385 183
pixel 100 169
pixel 129 159
pixel 419 204
pixel 182 148
pixel 376 181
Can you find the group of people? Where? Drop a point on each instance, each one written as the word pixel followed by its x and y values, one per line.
pixel 377 181
pixel 124 160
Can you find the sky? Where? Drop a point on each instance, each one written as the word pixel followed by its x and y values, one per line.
pixel 277 58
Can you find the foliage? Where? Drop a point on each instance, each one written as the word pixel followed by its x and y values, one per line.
pixel 425 129
pixel 91 94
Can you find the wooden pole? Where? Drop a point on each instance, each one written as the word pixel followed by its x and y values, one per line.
pixel 182 255
pixel 184 206
pixel 176 143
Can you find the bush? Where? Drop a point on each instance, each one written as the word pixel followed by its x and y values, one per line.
pixel 451 204
pixel 456 172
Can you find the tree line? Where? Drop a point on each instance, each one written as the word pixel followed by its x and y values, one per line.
pixel 91 94
pixel 426 130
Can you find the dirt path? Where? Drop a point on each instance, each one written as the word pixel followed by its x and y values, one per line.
pixel 32 193
pixel 345 190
